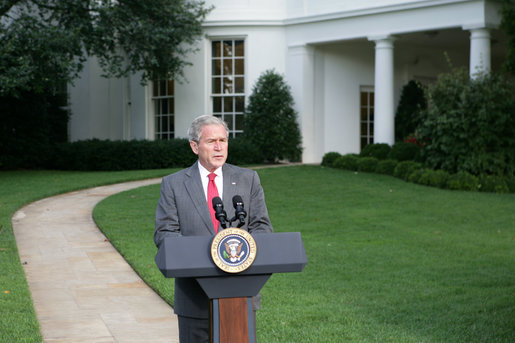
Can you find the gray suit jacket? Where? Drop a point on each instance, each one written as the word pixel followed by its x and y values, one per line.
pixel 182 211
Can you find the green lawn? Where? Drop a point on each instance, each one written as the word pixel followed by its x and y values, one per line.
pixel 18 322
pixel 389 261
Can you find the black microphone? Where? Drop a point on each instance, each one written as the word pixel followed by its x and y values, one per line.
pixel 240 213
pixel 220 214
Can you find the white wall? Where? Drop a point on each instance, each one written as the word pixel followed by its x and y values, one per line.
pixel 97 105
pixel 347 66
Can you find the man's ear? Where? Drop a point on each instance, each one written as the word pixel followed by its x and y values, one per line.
pixel 194 147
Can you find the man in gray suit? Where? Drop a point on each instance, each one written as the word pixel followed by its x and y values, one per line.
pixel 183 210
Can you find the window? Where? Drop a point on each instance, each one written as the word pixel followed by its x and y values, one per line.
pixel 163 97
pixel 366 108
pixel 228 82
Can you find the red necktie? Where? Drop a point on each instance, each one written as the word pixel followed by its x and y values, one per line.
pixel 212 192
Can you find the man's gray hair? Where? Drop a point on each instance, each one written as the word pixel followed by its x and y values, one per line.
pixel 195 130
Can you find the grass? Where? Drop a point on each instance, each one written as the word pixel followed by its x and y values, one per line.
pixel 389 261
pixel 18 321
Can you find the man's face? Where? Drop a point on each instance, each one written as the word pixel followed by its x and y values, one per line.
pixel 212 147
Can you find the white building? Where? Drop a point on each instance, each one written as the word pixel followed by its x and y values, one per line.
pixel 337 56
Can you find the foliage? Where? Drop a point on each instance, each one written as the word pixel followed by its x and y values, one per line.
pixel 407 117
pixel 404 151
pixel 377 150
pixel 386 166
pixel 242 152
pixel 45 43
pixel 367 164
pixel 270 121
pixel 329 158
pixel 493 183
pixel 470 124
pixel 508 25
pixel 348 162
pixel 29 127
pixel 434 178
pixel 463 181
pixel 404 169
pixel 415 175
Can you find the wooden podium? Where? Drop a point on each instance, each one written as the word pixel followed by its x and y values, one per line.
pixel 231 315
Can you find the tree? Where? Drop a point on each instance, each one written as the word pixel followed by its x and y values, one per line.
pixel 44 43
pixel 469 125
pixel 270 120
pixel 411 103
pixel 508 25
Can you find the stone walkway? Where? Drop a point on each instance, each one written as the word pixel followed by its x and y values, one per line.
pixel 83 290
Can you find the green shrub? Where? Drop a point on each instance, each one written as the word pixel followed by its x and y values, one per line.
pixel 415 175
pixel 404 169
pixel 493 183
pixel 411 103
pixel 329 158
pixel 469 124
pixel 30 126
pixel 463 181
pixel 242 151
pixel 434 178
pixel 270 121
pixel 386 166
pixel 367 164
pixel 404 151
pixel 510 182
pixel 378 150
pixel 348 162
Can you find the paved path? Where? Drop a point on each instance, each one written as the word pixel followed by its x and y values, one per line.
pixel 83 290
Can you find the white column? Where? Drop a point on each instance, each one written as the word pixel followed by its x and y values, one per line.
pixel 479 51
pixel 300 74
pixel 384 112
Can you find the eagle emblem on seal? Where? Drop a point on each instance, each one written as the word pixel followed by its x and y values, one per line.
pixel 233 251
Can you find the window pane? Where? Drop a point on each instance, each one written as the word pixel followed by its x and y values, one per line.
pixel 217 105
pixel 364 114
pixel 217 85
pixel 171 106
pixel 238 121
pixel 239 86
pixel 227 67
pixel 228 120
pixel 162 87
pixel 171 90
pixel 227 48
pixel 239 67
pixel 172 126
pixel 364 129
pixel 371 99
pixel 228 104
pixel 240 103
pixel 216 67
pixel 216 49
pixel 227 85
pixel 239 48
pixel 363 99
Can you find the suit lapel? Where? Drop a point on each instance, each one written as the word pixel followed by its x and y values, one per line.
pixel 193 186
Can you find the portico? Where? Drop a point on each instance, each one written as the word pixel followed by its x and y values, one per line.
pixel 425 33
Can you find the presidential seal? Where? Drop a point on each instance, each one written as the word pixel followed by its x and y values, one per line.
pixel 233 250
